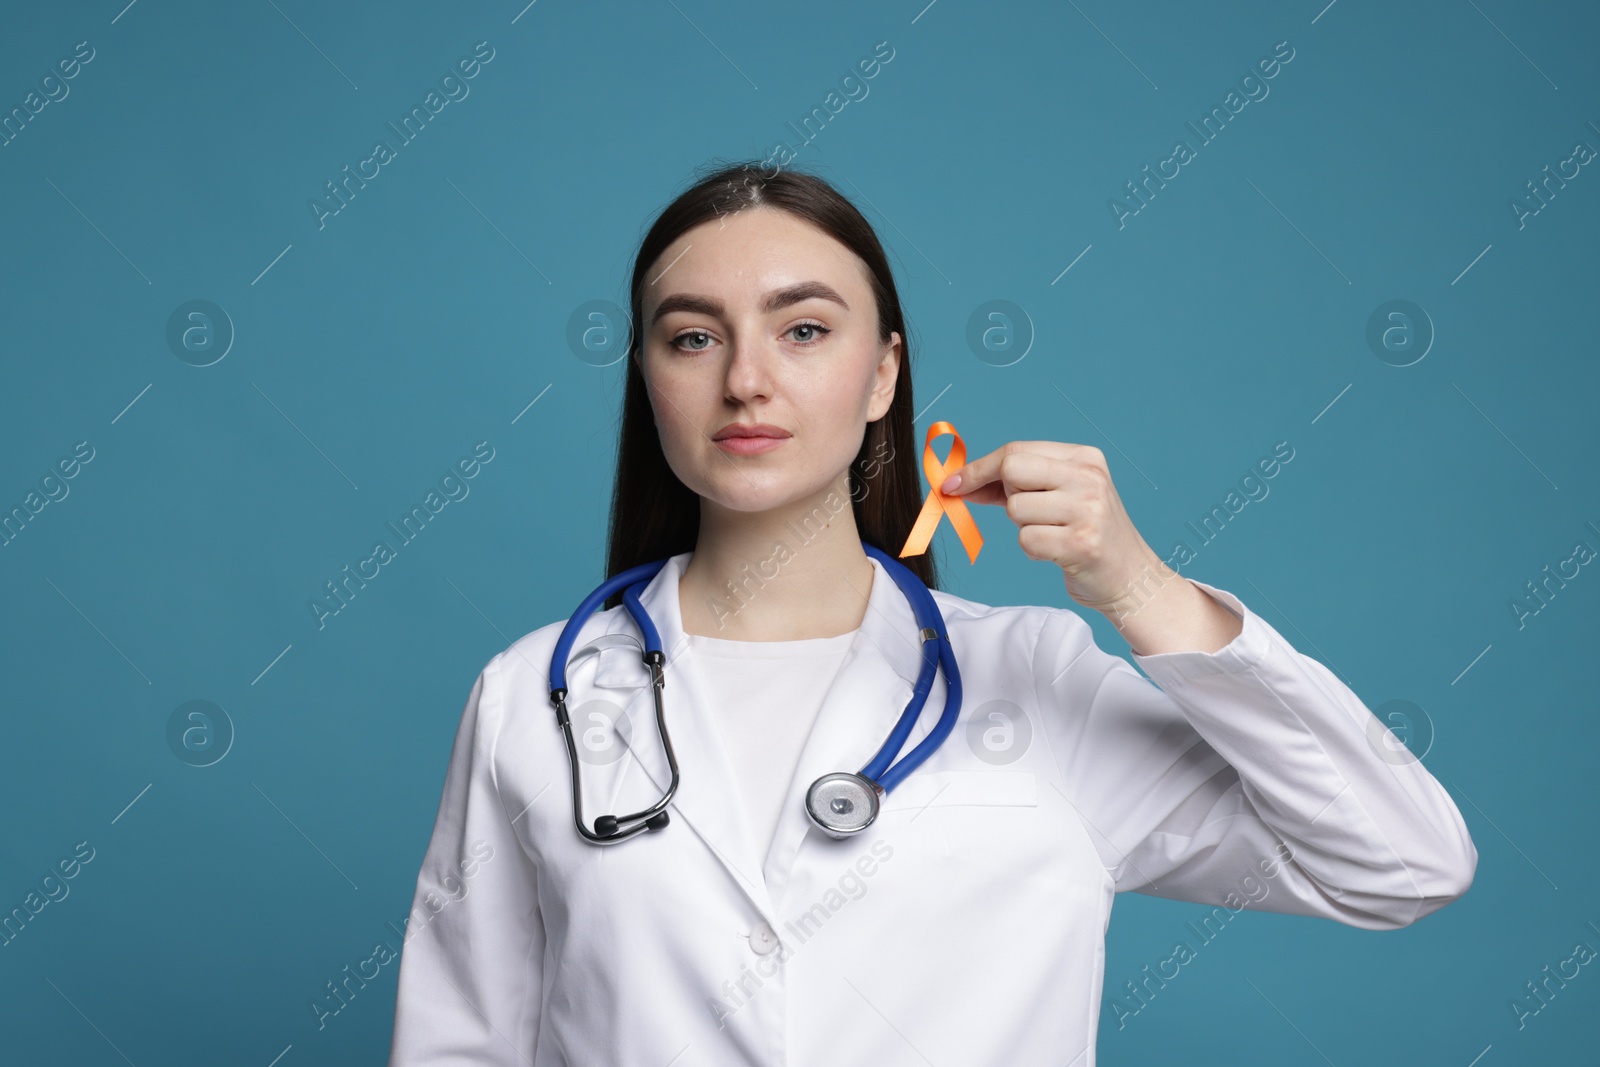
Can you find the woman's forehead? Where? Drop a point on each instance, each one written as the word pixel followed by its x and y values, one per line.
pixel 743 259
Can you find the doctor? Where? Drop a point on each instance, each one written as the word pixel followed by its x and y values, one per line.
pixel 767 432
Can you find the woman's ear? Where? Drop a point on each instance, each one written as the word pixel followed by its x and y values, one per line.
pixel 888 373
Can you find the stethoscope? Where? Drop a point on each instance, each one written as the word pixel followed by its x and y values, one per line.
pixel 841 803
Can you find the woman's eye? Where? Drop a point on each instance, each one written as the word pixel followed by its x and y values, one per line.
pixel 700 334
pixel 806 334
pixel 815 332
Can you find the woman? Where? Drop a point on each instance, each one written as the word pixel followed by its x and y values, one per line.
pixel 767 433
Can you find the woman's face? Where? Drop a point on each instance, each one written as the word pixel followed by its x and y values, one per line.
pixel 761 318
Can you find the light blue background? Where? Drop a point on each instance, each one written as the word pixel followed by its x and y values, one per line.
pixel 1229 314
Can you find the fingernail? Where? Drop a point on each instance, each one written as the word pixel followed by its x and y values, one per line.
pixel 951 484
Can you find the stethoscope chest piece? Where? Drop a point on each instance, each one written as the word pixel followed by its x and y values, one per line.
pixel 842 804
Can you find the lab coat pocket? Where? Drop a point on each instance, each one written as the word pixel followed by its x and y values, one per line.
pixel 961 817
pixel 983 788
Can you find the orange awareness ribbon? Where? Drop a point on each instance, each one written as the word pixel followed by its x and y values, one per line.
pixel 938 503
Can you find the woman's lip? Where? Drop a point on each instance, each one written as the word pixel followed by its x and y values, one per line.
pixel 753 429
pixel 749 446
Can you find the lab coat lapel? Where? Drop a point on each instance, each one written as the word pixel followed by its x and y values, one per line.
pixel 866 698
pixel 707 799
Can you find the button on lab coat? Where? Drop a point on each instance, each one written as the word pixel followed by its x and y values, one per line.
pixel 966 925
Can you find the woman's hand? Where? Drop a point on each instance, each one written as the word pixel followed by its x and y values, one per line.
pixel 1067 511
pixel 1061 498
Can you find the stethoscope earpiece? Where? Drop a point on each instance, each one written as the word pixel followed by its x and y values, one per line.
pixel 607 825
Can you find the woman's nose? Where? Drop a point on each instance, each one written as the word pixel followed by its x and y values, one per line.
pixel 749 370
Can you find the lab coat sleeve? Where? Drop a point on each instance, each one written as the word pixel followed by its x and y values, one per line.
pixel 471 969
pixel 1246 777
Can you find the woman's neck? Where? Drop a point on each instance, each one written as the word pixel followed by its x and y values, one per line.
pixel 790 574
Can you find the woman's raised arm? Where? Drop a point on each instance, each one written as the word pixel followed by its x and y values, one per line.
pixel 1246 777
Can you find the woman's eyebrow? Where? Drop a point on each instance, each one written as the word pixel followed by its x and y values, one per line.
pixel 775 300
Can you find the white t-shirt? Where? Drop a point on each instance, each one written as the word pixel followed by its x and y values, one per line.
pixel 765 697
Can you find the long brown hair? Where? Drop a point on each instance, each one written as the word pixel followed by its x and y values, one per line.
pixel 653 514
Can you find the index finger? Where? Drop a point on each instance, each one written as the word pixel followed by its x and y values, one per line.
pixel 985 469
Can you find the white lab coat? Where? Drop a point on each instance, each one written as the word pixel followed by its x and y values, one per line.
pixel 966 926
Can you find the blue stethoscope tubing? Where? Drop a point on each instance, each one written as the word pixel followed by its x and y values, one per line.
pixel 878 774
